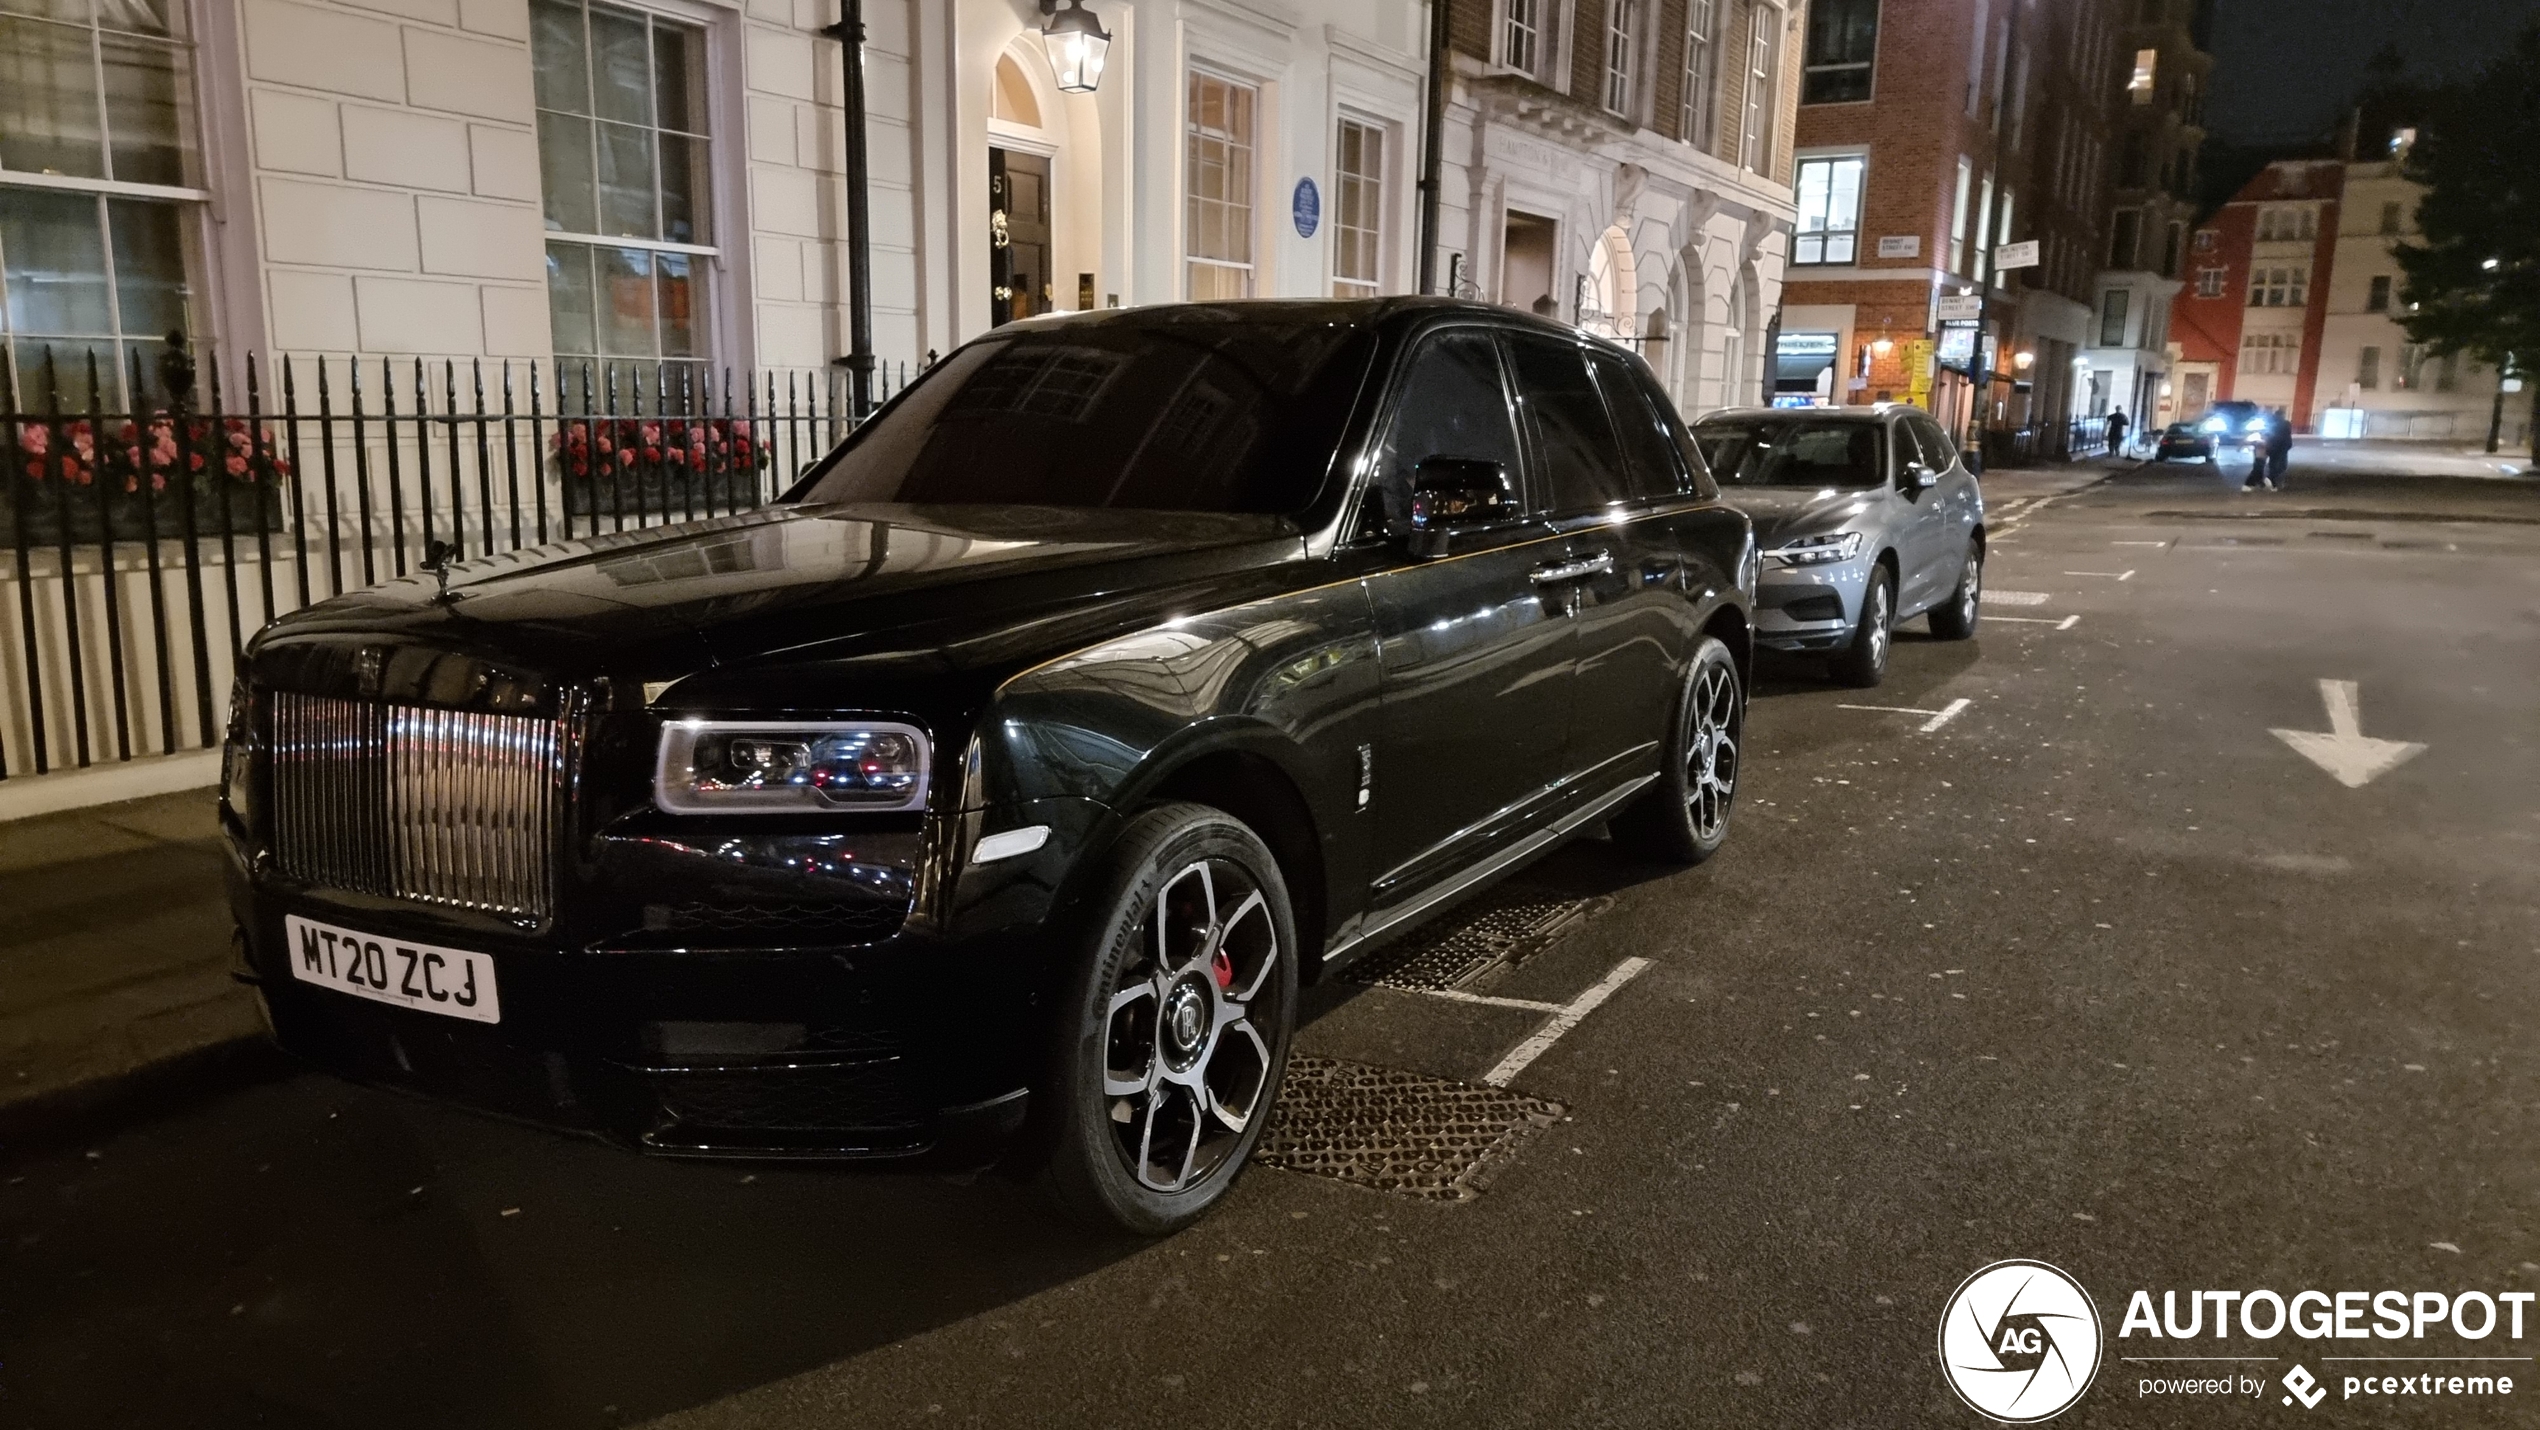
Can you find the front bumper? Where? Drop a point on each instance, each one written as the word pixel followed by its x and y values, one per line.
pixel 1810 608
pixel 706 1025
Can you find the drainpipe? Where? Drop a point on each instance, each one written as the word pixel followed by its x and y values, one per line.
pixel 849 33
pixel 1432 138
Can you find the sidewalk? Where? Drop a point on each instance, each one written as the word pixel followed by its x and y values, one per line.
pixel 114 949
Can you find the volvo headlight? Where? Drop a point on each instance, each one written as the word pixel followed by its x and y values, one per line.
pixel 1818 550
pixel 782 767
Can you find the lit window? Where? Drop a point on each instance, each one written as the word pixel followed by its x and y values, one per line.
pixel 2280 286
pixel 1829 210
pixel 1217 184
pixel 1958 217
pixel 98 190
pixel 1843 43
pixel 2139 84
pixel 623 165
pixel 1359 204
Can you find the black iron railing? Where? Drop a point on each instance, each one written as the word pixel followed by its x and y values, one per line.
pixel 144 543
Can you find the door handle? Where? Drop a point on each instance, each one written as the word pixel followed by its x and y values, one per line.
pixel 1597 565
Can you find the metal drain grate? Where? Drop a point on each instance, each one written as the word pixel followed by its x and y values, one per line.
pixel 1393 1131
pixel 1505 929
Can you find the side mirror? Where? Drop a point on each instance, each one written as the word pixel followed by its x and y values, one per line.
pixel 1920 477
pixel 1451 493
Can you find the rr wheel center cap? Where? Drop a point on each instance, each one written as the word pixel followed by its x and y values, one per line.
pixel 1185 1024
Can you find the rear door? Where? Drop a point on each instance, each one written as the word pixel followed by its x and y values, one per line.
pixel 1921 519
pixel 1474 654
pixel 1961 506
pixel 1618 567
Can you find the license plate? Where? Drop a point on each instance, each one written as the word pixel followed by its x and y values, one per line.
pixel 452 981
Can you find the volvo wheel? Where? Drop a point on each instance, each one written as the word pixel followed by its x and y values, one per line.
pixel 1864 662
pixel 1955 618
pixel 1177 1024
pixel 1684 817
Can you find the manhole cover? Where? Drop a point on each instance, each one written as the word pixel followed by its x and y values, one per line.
pixel 1395 1131
pixel 1504 929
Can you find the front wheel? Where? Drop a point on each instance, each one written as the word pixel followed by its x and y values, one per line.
pixel 1864 662
pixel 1955 618
pixel 1175 1024
pixel 1684 817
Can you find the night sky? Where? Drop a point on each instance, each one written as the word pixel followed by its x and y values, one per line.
pixel 2285 70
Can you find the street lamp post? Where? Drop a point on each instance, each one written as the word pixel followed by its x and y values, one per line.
pixel 849 33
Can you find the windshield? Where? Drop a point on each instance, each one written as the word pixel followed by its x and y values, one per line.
pixel 1790 452
pixel 1203 414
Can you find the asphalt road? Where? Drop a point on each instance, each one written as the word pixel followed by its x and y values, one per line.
pixel 2099 972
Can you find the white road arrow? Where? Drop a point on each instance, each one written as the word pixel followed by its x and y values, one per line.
pixel 2346 752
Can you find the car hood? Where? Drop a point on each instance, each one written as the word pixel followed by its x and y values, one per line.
pixel 1782 513
pixel 809 582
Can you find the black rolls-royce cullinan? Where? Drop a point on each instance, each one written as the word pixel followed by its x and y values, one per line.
pixel 989 795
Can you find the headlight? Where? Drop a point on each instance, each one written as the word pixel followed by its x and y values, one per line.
pixel 236 743
pixel 776 767
pixel 1818 550
pixel 2215 424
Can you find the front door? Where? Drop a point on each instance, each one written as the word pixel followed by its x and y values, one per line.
pixel 1921 535
pixel 1474 653
pixel 1018 235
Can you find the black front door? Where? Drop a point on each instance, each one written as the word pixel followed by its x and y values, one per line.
pixel 1609 504
pixel 1018 235
pixel 1474 652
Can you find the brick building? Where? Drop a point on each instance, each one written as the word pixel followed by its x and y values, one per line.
pixel 1931 133
pixel 2151 207
pixel 2256 303
pixel 1625 165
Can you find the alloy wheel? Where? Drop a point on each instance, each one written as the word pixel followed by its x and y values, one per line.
pixel 1971 590
pixel 1711 776
pixel 1185 1068
pixel 1876 616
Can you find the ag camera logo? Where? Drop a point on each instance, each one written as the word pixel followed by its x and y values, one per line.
pixel 2019 1341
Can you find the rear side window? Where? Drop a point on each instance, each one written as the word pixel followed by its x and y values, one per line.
pixel 1938 451
pixel 1581 469
pixel 1649 449
pixel 1452 404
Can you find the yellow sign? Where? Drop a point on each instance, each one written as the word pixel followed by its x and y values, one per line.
pixel 1918 372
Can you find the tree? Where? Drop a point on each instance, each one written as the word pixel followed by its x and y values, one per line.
pixel 2473 282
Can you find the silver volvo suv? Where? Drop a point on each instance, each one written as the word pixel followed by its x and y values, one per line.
pixel 1866 517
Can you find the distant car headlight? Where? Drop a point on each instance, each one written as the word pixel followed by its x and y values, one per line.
pixel 2214 424
pixel 1818 550
pixel 790 767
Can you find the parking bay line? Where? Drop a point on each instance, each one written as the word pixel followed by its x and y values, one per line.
pixel 2127 575
pixel 1938 717
pixel 1563 1020
pixel 2067 623
pixel 2016 598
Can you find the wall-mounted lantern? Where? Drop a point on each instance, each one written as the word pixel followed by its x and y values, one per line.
pixel 1077 45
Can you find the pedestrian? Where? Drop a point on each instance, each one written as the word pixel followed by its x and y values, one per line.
pixel 2273 453
pixel 2116 432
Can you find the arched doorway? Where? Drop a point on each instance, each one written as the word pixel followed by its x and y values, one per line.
pixel 1612 294
pixel 1733 339
pixel 1019 198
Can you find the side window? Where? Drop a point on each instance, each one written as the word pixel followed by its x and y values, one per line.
pixel 1452 404
pixel 1649 451
pixel 1901 449
pixel 1581 469
pixel 1938 452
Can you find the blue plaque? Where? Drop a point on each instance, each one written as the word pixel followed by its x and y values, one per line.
pixel 1308 208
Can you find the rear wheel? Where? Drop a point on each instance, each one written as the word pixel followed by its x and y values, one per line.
pixel 1955 618
pixel 1175 1028
pixel 1684 817
pixel 1864 662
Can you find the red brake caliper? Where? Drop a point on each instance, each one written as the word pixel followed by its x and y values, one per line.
pixel 1222 969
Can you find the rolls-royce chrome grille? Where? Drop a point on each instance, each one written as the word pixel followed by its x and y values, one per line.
pixel 442 806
